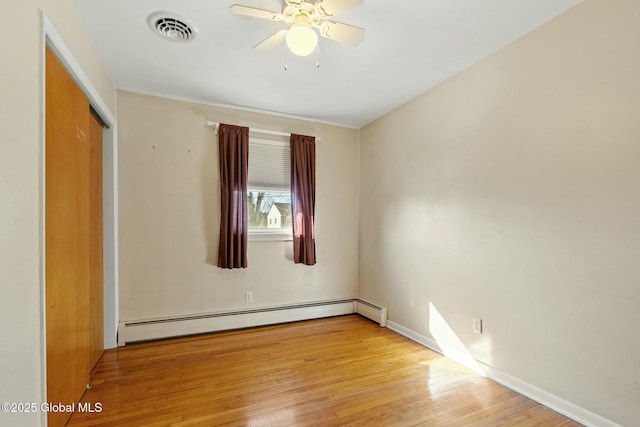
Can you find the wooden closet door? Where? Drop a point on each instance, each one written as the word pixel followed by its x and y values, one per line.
pixel 96 290
pixel 67 241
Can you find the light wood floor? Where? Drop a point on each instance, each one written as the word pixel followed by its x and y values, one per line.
pixel 337 371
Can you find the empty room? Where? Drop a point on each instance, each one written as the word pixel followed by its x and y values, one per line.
pixel 320 212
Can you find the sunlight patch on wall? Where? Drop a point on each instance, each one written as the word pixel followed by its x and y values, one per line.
pixel 448 342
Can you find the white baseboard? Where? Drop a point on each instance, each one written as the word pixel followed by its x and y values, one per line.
pixel 152 329
pixel 543 397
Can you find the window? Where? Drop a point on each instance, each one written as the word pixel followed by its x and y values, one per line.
pixel 269 190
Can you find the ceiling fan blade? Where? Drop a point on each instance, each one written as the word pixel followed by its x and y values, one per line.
pixel 332 7
pixel 344 33
pixel 272 40
pixel 253 12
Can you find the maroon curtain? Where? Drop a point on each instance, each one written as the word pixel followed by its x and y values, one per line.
pixel 233 144
pixel 303 197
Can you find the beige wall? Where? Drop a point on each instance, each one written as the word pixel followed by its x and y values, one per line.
pixel 169 215
pixel 22 378
pixel 512 192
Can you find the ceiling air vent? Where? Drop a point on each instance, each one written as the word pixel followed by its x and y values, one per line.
pixel 171 27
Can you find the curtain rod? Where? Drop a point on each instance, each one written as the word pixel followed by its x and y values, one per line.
pixel 216 127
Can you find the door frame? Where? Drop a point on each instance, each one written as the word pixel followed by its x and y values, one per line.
pixel 51 38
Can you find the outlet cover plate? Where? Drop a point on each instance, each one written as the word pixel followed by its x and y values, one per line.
pixel 477 325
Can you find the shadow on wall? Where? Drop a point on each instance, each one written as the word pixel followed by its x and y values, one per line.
pixel 210 195
pixel 288 250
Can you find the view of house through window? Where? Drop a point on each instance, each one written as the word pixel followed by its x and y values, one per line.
pixel 269 209
pixel 269 189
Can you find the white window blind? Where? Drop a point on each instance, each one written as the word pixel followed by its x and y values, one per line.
pixel 269 165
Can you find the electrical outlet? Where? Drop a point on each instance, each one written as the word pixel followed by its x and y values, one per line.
pixel 248 296
pixel 477 325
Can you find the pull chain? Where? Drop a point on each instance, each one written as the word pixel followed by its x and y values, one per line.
pixel 286 65
pixel 318 58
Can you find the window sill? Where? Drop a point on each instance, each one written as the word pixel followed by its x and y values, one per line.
pixel 269 236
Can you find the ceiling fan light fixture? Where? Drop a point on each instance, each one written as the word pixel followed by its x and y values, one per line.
pixel 301 40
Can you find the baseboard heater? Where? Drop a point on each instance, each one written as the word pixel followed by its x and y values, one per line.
pixel 152 329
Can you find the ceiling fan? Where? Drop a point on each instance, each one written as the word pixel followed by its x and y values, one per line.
pixel 303 18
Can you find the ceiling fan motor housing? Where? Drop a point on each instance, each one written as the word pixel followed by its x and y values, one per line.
pixel 304 13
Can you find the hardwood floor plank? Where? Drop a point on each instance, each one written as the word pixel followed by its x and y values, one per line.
pixel 338 371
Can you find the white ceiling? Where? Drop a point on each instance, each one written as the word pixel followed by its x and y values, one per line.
pixel 409 47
